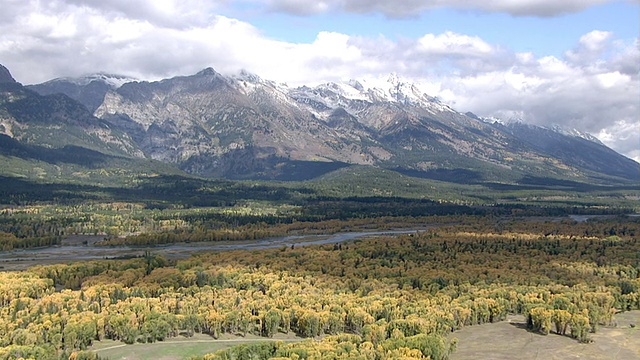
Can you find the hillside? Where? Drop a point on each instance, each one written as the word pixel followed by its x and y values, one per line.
pixel 55 138
pixel 245 127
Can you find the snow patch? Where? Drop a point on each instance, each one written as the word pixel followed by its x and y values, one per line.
pixel 113 80
pixel 392 89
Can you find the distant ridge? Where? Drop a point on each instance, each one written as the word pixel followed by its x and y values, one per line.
pixel 245 127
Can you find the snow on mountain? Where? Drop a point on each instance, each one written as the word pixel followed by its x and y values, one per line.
pixel 519 122
pixel 244 126
pixel 576 133
pixel 244 75
pixel 571 132
pixel 113 80
pixel 350 95
pixel 251 84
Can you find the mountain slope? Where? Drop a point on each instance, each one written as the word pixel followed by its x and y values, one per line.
pixel 243 126
pixel 575 151
pixel 5 76
pixel 56 138
pixel 75 165
pixel 56 121
pixel 429 139
pixel 88 90
pixel 238 126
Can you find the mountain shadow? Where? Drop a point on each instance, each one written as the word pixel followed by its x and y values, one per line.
pixel 258 164
pixel 69 154
pixel 458 176
pixel 571 185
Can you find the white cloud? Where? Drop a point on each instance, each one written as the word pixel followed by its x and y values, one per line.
pixel 599 97
pixel 591 47
pixel 595 40
pixel 595 87
pixel 450 43
pixel 612 79
pixel 178 14
pixel 300 7
pixel 407 8
pixel 623 135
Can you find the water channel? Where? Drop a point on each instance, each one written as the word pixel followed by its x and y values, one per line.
pixel 76 250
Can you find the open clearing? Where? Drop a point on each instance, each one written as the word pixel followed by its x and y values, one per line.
pixel 504 340
pixel 178 348
pixel 511 340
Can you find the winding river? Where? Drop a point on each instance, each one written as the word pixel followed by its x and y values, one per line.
pixel 79 247
pixel 70 251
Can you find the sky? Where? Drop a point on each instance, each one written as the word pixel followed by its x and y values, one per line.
pixel 572 63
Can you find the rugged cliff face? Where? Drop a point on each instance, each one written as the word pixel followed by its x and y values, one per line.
pixel 216 125
pixel 243 126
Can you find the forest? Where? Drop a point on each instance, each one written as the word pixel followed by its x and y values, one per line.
pixel 567 265
pixel 381 297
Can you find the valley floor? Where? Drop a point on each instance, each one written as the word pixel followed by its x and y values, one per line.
pixel 510 339
pixel 507 339
pixel 178 348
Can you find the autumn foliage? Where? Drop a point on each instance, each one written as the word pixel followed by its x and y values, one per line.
pixel 383 297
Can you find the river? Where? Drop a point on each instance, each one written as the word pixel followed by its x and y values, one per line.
pixel 72 251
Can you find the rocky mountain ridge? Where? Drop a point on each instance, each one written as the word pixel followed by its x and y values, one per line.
pixel 243 126
pixel 5 76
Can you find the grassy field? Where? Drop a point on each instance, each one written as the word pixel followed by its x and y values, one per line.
pixel 511 340
pixel 178 348
pixel 504 340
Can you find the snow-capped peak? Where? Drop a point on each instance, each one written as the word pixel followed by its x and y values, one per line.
pixel 575 133
pixel 395 89
pixel 572 132
pixel 113 80
pixel 248 83
pixel 356 85
pixel 245 75
pixel 352 90
pixel 390 89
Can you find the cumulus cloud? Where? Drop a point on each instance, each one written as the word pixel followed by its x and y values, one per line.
pixel 584 90
pixel 44 42
pixel 180 14
pixel 591 47
pixel 593 87
pixel 69 38
pixel 450 43
pixel 623 136
pixel 408 8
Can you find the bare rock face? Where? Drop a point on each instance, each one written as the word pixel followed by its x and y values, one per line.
pixel 243 126
pixel 205 120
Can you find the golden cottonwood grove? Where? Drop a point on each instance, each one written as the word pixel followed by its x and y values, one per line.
pixel 377 297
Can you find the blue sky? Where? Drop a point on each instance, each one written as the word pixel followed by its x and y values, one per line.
pixel 540 35
pixel 573 63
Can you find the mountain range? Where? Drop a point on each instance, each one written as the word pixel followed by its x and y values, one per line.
pixel 246 127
